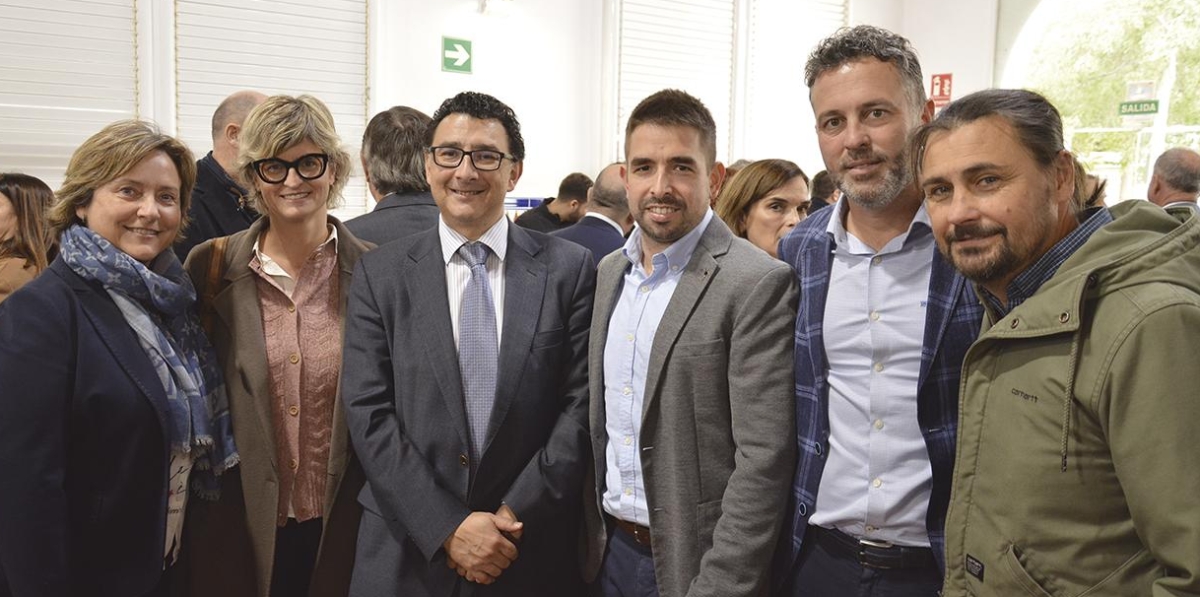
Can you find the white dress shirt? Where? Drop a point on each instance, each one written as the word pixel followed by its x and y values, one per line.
pixel 877 479
pixel 458 273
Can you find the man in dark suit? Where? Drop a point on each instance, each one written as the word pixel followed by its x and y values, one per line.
pixel 824 191
pixel 691 383
pixel 393 158
pixel 465 383
pixel 219 203
pixel 556 213
pixel 603 228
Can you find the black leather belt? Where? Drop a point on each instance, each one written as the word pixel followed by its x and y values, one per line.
pixel 872 554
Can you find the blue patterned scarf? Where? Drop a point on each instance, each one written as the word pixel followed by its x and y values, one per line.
pixel 157 302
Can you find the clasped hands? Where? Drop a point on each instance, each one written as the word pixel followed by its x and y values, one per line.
pixel 478 550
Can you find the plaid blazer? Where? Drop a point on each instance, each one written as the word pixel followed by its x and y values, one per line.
pixel 951 324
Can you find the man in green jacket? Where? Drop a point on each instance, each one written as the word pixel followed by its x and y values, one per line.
pixel 1076 466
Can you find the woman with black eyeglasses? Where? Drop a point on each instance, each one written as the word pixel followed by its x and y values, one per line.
pixel 273 298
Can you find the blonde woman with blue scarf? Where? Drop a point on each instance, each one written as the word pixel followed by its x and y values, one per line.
pixel 112 409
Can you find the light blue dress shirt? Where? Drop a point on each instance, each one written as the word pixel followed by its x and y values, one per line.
pixel 878 478
pixel 640 307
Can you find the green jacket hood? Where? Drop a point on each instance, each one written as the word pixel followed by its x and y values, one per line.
pixel 1144 243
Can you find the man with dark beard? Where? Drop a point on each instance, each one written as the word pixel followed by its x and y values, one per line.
pixel 691 383
pixel 1075 388
pixel 882 326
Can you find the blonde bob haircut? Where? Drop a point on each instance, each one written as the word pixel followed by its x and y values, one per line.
pixel 113 151
pixel 751 185
pixel 281 122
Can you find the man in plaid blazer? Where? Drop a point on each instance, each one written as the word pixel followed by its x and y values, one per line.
pixel 882 327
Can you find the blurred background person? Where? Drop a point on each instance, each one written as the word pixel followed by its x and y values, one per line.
pixel 556 213
pixel 219 205
pixel 603 228
pixel 277 307
pixel 24 236
pixel 764 202
pixel 1176 179
pixel 824 191
pixel 393 160
pixel 730 171
pixel 113 404
pixel 1090 190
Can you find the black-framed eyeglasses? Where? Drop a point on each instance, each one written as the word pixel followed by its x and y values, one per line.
pixel 275 170
pixel 483 159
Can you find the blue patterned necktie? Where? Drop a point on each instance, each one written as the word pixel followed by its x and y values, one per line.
pixel 478 350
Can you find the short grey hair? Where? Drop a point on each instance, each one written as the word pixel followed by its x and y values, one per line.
pixel 1179 167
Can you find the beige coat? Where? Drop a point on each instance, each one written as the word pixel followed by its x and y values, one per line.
pixel 230 544
pixel 15 272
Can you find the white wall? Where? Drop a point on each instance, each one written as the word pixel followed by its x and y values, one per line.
pixel 546 59
pixel 541 57
pixel 956 37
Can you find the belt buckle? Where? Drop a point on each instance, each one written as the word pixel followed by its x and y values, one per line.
pixel 641 535
pixel 863 544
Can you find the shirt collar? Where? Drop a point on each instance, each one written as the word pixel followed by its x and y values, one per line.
pixel 841 237
pixel 271 268
pixel 1022 287
pixel 677 254
pixel 606 219
pixel 496 238
pixel 213 167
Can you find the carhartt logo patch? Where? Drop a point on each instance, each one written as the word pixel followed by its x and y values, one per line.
pixel 1024 395
pixel 975 567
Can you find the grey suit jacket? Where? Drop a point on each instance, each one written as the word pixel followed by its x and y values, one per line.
pixel 396 216
pixel 718 422
pixel 403 396
pixel 232 542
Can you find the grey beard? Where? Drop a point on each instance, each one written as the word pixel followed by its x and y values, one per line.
pixel 886 192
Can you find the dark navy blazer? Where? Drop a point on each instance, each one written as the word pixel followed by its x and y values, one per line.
pixel 595 235
pixel 83 454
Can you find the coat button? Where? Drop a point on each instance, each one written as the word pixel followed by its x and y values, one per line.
pixel 462 459
pixel 1065 317
pixel 293 410
pixel 1015 322
pixel 294 358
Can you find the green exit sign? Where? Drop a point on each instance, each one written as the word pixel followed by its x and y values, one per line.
pixel 1138 108
pixel 456 55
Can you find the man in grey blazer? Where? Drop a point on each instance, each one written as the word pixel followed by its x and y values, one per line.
pixel 464 383
pixel 692 422
pixel 393 160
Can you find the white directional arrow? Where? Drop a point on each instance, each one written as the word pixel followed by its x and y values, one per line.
pixel 459 54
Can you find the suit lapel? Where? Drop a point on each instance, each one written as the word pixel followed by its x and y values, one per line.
pixel 816 262
pixel 944 289
pixel 524 287
pixel 237 305
pixel 111 326
pixel 700 270
pixel 425 285
pixel 609 278
pixel 349 250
